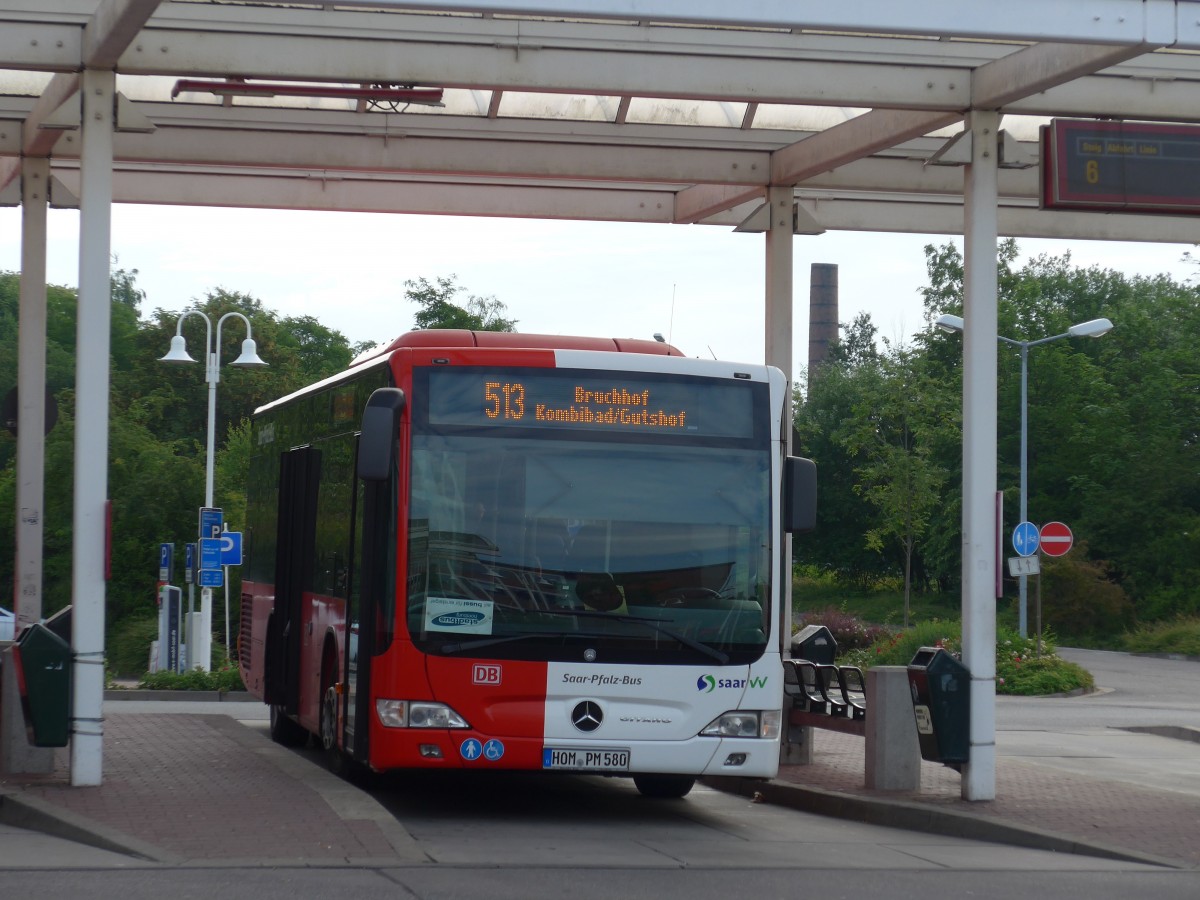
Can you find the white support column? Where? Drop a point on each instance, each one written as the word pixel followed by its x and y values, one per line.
pixel 31 392
pixel 979 452
pixel 779 350
pixel 779 280
pixel 91 425
pixel 16 754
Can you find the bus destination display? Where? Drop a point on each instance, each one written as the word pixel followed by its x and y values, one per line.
pixel 1121 167
pixel 585 400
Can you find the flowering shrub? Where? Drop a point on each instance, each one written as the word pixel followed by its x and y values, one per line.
pixel 1019 670
pixel 850 632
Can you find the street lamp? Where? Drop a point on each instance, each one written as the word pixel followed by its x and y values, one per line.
pixel 200 639
pixel 1091 328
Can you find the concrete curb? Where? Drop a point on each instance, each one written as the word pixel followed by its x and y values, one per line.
pixel 119 694
pixel 35 814
pixel 919 817
pixel 347 801
pixel 1176 732
pixel 1184 656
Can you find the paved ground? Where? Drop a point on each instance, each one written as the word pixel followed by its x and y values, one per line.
pixel 1036 805
pixel 202 788
pixel 207 789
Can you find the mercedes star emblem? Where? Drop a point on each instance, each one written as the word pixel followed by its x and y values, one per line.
pixel 587 716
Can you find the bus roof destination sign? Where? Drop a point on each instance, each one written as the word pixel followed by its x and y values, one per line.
pixel 1121 167
pixel 591 401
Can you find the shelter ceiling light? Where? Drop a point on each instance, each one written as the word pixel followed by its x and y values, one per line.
pixel 383 93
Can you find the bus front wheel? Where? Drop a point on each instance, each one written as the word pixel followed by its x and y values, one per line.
pixel 664 786
pixel 284 731
pixel 334 757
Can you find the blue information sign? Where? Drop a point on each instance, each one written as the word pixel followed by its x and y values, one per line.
pixel 166 556
pixel 1025 539
pixel 211 520
pixel 231 548
pixel 212 578
pixel 189 568
pixel 210 553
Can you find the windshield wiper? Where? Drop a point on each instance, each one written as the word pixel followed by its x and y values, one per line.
pixel 655 624
pixel 492 641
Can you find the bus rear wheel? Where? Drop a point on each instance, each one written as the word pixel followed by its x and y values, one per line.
pixel 667 787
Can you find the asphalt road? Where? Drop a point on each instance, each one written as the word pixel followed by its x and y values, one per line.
pixel 528 836
pixel 1105 732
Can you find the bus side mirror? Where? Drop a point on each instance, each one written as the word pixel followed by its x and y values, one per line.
pixel 380 434
pixel 799 495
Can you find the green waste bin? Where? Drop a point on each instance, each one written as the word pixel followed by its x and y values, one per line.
pixel 941 695
pixel 44 676
pixel 814 643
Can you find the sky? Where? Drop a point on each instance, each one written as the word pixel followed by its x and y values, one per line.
pixel 699 286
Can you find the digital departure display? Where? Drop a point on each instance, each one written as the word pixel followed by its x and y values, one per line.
pixel 588 400
pixel 1121 167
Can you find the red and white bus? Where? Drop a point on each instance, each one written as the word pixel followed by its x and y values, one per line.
pixel 511 551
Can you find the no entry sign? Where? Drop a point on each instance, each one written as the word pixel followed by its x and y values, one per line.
pixel 1055 539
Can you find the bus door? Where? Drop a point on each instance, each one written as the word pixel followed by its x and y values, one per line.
pixel 299 479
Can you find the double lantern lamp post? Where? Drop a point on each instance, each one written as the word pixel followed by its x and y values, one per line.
pixel 200 636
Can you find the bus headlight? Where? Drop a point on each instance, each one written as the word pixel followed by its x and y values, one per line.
pixel 746 724
pixel 417 714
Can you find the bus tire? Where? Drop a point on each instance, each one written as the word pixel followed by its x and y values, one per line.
pixel 664 787
pixel 329 745
pixel 283 730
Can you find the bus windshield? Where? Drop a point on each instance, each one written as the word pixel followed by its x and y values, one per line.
pixel 549 545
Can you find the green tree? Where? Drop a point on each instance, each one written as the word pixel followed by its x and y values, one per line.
pixel 1113 435
pixel 843 515
pixel 439 311
pixel 896 422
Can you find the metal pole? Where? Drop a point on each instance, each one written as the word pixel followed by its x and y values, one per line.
pixel 1039 614
pixel 203 657
pixel 1022 583
pixel 88 587
pixel 779 265
pixel 31 393
pixel 979 451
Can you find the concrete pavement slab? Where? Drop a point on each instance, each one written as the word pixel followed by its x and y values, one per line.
pixel 205 788
pixel 22 848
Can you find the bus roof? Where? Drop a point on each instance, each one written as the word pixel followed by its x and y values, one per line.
pixel 461 337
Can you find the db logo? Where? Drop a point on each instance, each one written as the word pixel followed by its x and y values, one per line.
pixel 483 674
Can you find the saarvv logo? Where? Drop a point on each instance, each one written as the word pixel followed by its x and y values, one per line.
pixel 706 684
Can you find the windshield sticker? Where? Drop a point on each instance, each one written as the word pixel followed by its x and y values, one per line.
pixel 458 614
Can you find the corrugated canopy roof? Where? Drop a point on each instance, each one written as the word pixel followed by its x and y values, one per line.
pixel 626 110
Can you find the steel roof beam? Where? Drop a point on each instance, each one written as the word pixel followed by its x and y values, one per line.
pixel 603 202
pixel 416 198
pixel 113 25
pixel 1097 21
pixel 443 155
pixel 601 58
pixel 1041 67
pixel 608 70
pixel 112 29
pixel 859 137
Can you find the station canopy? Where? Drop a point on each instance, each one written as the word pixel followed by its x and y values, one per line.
pixel 671 111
